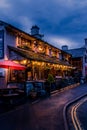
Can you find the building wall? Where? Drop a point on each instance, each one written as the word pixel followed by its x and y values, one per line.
pixel 10 39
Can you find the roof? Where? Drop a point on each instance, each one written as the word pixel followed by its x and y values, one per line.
pixel 31 55
pixel 15 29
pixel 78 52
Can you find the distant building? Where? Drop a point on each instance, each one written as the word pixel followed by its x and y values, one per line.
pixel 79 58
pixel 64 47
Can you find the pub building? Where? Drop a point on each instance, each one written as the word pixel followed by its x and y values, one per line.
pixel 30 50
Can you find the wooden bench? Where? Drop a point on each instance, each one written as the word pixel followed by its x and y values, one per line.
pixel 10 95
pixel 8 98
pixel 20 92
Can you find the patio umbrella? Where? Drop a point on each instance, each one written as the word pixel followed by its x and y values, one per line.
pixel 8 64
pixel 12 65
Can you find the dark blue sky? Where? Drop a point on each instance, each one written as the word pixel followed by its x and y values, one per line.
pixel 63 22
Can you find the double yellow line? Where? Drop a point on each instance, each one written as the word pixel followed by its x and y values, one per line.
pixel 75 120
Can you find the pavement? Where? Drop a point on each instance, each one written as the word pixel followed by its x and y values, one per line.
pixel 6 107
pixel 46 114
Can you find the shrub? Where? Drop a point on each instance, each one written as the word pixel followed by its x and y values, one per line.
pixel 50 78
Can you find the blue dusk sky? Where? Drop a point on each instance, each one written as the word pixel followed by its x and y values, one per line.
pixel 63 22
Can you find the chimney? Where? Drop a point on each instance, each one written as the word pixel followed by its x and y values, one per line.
pixel 64 47
pixel 34 30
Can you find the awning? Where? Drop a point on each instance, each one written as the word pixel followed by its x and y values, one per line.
pixel 31 55
pixel 10 64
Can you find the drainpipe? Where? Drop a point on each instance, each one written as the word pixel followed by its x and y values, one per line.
pixel 83 66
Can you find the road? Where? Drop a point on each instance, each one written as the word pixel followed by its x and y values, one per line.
pixel 82 115
pixel 46 114
pixel 76 114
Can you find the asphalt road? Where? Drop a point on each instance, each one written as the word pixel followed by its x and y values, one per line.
pixel 46 114
pixel 82 115
pixel 76 114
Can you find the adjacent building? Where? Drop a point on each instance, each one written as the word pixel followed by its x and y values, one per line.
pixel 79 59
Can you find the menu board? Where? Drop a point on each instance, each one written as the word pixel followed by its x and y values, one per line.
pixel 1 44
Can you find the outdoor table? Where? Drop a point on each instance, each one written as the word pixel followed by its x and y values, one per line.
pixel 8 94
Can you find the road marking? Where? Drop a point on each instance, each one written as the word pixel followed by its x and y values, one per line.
pixel 75 120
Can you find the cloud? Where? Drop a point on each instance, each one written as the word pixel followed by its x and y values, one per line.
pixel 59 41
pixel 63 18
pixel 26 23
pixel 4 4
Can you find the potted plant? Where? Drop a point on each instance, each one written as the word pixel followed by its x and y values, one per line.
pixel 50 81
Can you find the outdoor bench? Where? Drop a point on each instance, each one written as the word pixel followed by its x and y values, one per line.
pixel 10 95
pixel 9 98
pixel 20 92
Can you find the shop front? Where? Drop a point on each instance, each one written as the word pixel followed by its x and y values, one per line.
pixel 37 66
